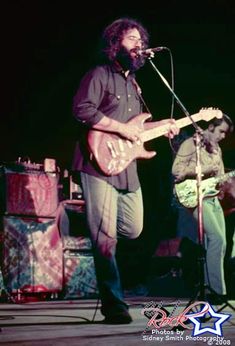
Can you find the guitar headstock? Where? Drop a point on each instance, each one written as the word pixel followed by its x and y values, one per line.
pixel 209 113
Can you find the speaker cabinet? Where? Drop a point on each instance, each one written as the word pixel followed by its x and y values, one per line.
pixel 32 255
pixel 79 277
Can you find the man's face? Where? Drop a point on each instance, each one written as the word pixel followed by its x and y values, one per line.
pixel 217 133
pixel 132 41
pixel 127 55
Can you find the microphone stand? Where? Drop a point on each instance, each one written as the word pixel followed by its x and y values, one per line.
pixel 201 256
pixel 200 293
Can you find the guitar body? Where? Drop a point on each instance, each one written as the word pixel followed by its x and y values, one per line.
pixel 114 153
pixel 187 191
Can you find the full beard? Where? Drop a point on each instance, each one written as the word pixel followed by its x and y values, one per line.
pixel 129 62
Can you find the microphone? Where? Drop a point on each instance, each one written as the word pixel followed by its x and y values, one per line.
pixel 150 51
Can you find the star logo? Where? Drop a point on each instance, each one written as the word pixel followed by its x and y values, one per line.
pixel 198 329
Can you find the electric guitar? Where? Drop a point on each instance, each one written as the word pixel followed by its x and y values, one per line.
pixel 114 153
pixel 186 191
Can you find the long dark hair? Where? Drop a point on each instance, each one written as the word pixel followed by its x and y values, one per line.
pixel 113 35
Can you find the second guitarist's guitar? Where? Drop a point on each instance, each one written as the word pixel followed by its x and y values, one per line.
pixel 114 153
pixel 186 191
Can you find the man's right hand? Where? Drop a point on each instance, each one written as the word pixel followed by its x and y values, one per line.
pixel 130 131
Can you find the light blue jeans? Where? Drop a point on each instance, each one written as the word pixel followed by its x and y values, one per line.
pixel 215 231
pixel 214 235
pixel 110 213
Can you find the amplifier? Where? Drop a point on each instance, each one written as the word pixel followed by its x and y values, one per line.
pixel 79 277
pixel 30 193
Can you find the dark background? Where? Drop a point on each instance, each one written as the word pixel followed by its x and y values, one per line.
pixel 47 46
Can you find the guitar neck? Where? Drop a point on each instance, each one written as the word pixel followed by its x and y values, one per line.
pixel 225 176
pixel 161 130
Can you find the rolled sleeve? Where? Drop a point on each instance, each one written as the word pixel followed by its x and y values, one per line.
pixel 88 98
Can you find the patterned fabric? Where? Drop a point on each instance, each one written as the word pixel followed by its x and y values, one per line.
pixel 34 193
pixel 32 252
pixel 79 275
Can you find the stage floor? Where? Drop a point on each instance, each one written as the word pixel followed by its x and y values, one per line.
pixel 70 323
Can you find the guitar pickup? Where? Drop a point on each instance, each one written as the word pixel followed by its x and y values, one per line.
pixel 129 144
pixel 112 151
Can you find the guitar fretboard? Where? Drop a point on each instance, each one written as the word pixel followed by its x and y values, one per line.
pixel 162 130
pixel 225 176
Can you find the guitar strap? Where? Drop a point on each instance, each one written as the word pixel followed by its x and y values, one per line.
pixel 139 93
pixel 136 85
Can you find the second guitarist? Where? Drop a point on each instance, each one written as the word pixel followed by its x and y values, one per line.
pixel 184 167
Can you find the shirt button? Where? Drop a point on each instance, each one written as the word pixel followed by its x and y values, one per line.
pixel 129 95
pixel 118 96
pixel 129 109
